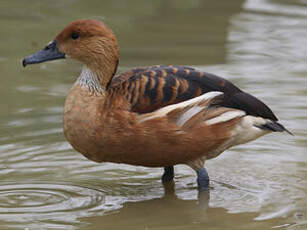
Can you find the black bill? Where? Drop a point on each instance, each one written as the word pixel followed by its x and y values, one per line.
pixel 50 52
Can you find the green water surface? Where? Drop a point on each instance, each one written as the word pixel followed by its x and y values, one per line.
pixel 258 44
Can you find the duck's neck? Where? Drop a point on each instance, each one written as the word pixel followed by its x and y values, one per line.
pixel 90 80
pixel 95 81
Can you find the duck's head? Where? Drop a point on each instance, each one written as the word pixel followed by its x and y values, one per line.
pixel 88 41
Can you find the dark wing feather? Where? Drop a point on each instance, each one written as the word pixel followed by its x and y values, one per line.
pixel 151 88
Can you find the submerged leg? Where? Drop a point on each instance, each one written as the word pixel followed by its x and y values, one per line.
pixel 202 179
pixel 203 199
pixel 168 174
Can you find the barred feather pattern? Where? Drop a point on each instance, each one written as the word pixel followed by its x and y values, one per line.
pixel 150 88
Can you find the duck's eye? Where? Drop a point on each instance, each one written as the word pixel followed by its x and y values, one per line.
pixel 75 36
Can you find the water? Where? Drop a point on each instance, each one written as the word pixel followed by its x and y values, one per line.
pixel 258 44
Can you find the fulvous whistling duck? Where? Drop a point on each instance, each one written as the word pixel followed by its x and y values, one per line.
pixel 157 116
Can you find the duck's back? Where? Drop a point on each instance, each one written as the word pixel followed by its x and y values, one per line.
pixel 150 88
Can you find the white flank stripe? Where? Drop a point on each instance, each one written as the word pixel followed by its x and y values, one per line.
pixel 227 116
pixel 165 110
pixel 188 115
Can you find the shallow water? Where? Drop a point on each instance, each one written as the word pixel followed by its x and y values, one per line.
pixel 258 44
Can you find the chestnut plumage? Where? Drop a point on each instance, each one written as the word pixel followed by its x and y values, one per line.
pixel 156 116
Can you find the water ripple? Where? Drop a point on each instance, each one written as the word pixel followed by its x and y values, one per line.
pixel 36 202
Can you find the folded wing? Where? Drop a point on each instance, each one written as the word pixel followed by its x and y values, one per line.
pixel 151 88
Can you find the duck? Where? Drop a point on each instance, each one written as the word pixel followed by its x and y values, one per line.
pixel 156 116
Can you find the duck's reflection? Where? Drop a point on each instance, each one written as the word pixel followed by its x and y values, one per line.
pixel 203 196
pixel 171 212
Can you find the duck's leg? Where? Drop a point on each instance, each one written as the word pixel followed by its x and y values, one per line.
pixel 202 175
pixel 202 179
pixel 168 174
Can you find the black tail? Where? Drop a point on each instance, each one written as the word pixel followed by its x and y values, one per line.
pixel 275 127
